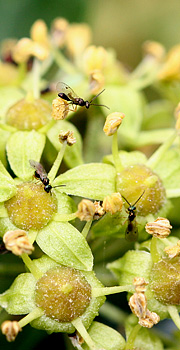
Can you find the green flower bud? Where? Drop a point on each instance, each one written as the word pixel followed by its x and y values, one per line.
pixel 28 115
pixel 63 293
pixel 31 207
pixel 135 179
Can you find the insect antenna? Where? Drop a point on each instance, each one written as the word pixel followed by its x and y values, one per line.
pixel 93 104
pixel 97 95
pixel 138 198
pixel 126 200
pixel 58 186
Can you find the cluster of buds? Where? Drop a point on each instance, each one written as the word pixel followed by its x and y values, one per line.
pixel 17 242
pixel 67 136
pixel 138 304
pixel 112 123
pixel 159 228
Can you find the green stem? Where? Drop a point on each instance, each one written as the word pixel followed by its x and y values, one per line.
pixel 86 228
pixel 36 77
pixel 173 312
pixel 83 332
pixel 31 266
pixel 62 62
pixel 154 251
pixel 115 153
pixel 37 312
pixel 112 313
pixel 64 217
pixel 160 153
pixel 132 337
pixel 22 70
pixel 97 292
pixel 57 163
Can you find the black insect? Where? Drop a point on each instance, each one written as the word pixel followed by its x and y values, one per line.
pixel 67 94
pixel 132 229
pixel 40 174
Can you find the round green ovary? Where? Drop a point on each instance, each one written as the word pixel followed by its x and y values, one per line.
pixel 29 115
pixel 137 180
pixel 63 293
pixel 32 207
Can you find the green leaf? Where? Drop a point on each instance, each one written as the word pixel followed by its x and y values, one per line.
pixel 66 204
pixel 21 147
pixel 19 298
pixel 66 245
pixel 94 180
pixel 73 154
pixel 8 97
pixel 105 337
pixel 128 101
pixel 127 158
pixel 169 171
pixel 132 264
pixel 7 185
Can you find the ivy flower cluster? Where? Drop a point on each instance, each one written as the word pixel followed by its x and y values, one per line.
pixel 87 194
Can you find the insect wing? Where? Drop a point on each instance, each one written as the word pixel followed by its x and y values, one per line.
pixel 65 89
pixel 38 168
pixel 132 231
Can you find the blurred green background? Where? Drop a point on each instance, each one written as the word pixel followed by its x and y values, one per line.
pixel 121 24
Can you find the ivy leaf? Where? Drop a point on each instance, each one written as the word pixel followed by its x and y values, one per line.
pixel 4 135
pixel 105 337
pixel 7 185
pixel 66 245
pixel 21 147
pixel 73 154
pixel 94 180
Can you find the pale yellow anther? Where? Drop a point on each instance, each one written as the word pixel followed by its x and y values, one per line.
pixel 58 31
pixel 97 81
pixel 94 59
pixel 17 242
pixel 10 329
pixel 39 32
pixel 86 210
pixel 99 210
pixel 150 320
pixel 173 251
pixel 112 123
pixel 60 109
pixel 140 284
pixel 138 304
pixel 78 37
pixel 22 50
pixel 171 68
pixel 113 203
pixel 40 51
pixel 160 228
pixel 67 136
pixel 154 49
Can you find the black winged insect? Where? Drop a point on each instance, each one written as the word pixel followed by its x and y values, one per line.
pixel 132 228
pixel 40 174
pixel 66 93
